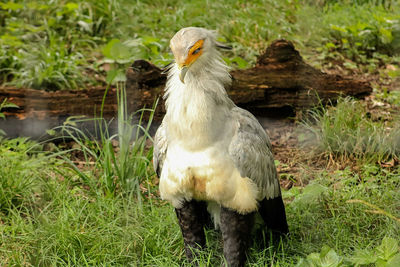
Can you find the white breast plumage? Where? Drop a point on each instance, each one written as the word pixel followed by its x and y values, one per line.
pixel 206 175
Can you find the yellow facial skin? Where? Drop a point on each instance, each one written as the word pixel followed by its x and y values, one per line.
pixel 194 52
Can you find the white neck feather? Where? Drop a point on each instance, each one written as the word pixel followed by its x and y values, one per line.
pixel 199 107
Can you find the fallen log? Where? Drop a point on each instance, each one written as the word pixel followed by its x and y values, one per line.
pixel 280 79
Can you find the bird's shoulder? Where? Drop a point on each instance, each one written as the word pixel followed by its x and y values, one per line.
pixel 249 126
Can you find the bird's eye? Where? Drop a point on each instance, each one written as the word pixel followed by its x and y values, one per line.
pixel 196 51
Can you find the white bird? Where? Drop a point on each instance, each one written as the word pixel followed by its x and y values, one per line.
pixel 210 154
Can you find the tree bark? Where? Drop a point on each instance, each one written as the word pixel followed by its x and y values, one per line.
pixel 280 79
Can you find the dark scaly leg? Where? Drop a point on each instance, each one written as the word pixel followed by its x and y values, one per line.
pixel 273 213
pixel 191 220
pixel 235 230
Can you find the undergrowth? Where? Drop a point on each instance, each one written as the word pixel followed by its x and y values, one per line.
pixel 65 38
pixel 57 212
pixel 53 218
pixel 102 209
pixel 347 130
pixel 366 33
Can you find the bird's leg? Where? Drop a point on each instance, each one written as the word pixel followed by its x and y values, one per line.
pixel 191 220
pixel 236 230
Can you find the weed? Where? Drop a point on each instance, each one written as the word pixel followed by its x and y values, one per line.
pixel 327 257
pixel 391 97
pixel 386 254
pixel 346 130
pixel 50 69
pixel 91 212
pixel 365 32
pixel 124 169
pixel 55 218
pixel 119 170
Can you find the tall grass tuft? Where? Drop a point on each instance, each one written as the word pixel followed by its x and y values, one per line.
pixel 346 130
pixel 117 168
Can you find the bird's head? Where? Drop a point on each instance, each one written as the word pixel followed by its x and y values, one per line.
pixel 192 48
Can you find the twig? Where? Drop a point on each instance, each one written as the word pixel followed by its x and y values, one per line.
pixel 376 209
pixel 84 162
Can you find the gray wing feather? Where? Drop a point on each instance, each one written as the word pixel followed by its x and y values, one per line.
pixel 251 152
pixel 160 149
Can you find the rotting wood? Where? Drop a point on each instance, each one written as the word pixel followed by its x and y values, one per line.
pixel 279 79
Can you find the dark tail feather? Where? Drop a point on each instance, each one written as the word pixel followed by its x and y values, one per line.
pixel 273 213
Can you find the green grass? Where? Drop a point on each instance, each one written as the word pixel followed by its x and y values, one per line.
pixel 65 38
pixel 105 212
pixel 347 130
pixel 54 219
pixel 119 169
pixel 56 213
pixel 17 181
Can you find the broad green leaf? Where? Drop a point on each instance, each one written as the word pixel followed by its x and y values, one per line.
pixel 330 259
pixel 11 6
pixel 111 74
pixel 313 259
pixel 350 65
pixel 149 39
pixel 330 45
pixel 380 263
pixel 121 77
pixel 394 261
pixel 71 6
pixel 304 263
pixel 363 257
pixel 338 28
pixel 310 193
pixel 107 48
pixel 117 51
pixel 154 50
pixel 51 132
pixel 292 192
pixel 386 35
pixel 240 62
pixel 115 75
pixel 324 251
pixel 388 248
